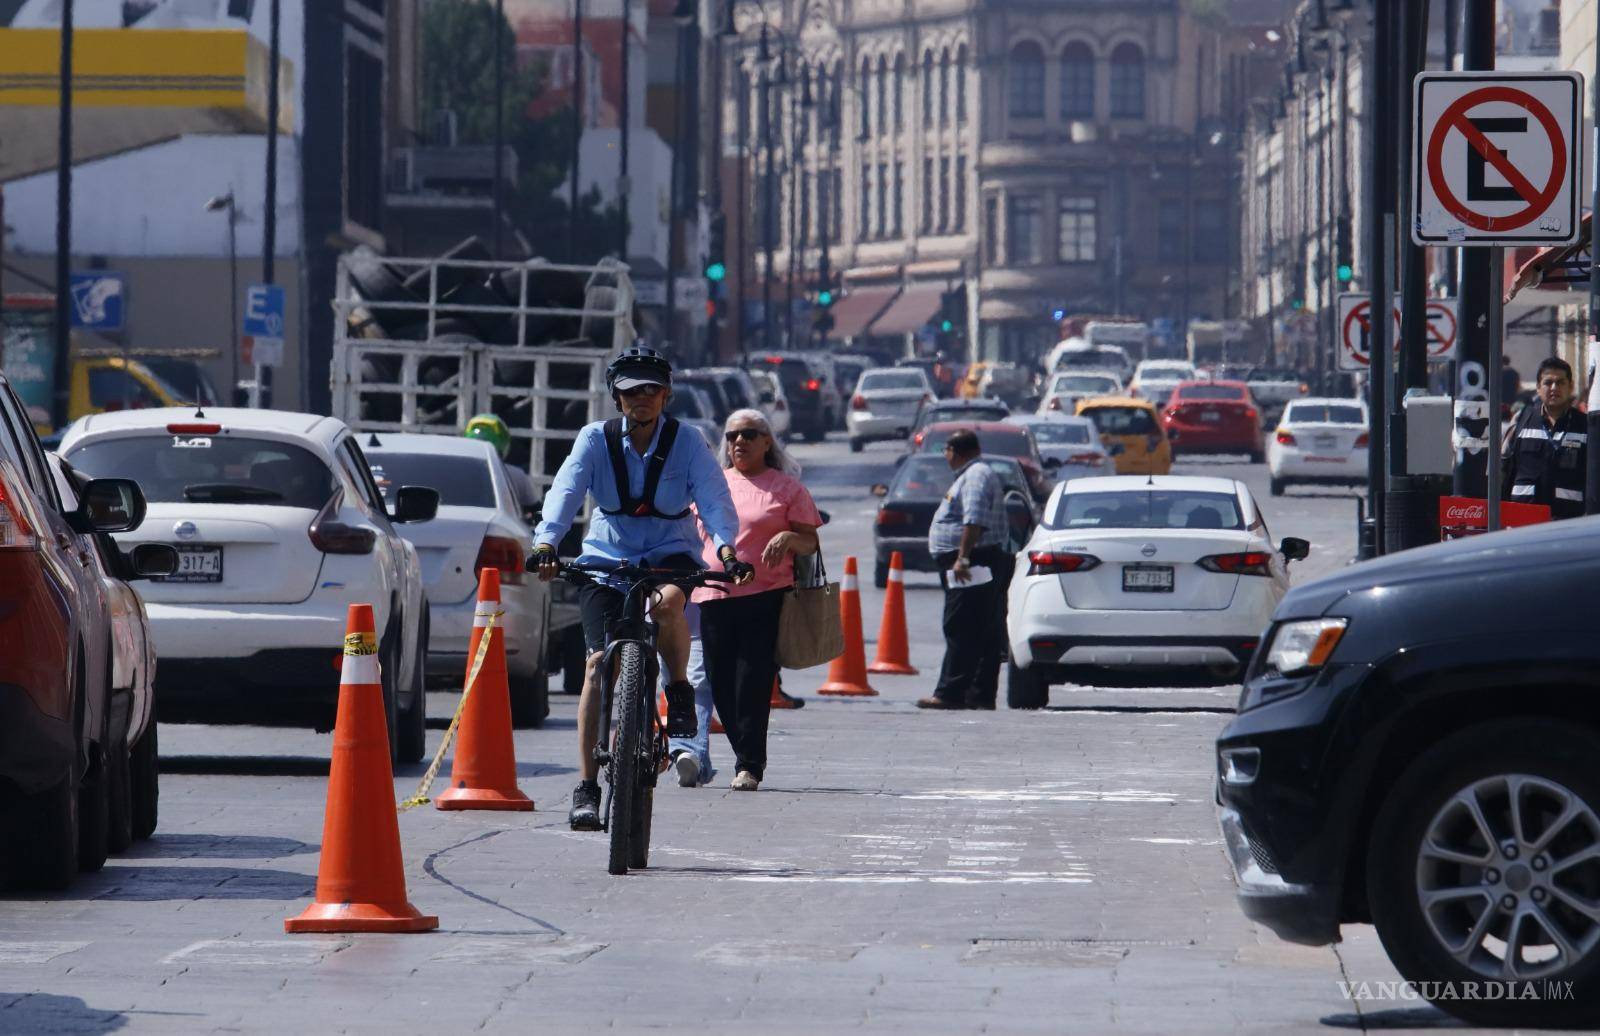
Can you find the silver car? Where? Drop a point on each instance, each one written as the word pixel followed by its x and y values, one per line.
pixel 884 405
pixel 1070 446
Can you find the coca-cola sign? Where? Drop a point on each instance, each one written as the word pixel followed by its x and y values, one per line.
pixel 1471 512
pixel 1467 516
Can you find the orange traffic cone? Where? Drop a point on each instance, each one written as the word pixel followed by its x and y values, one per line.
pixel 894 654
pixel 483 774
pixel 847 674
pixel 361 880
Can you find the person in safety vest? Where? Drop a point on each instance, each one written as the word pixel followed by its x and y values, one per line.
pixel 491 429
pixel 643 472
pixel 1546 451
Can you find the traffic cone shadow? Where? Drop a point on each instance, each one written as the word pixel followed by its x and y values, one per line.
pixel 847 674
pixel 894 651
pixel 483 774
pixel 361 881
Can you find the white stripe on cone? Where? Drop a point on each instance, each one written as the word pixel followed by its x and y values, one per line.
pixel 896 576
pixel 849 582
pixel 359 669
pixel 485 612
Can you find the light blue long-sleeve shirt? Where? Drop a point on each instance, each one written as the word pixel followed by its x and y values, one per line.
pixel 691 475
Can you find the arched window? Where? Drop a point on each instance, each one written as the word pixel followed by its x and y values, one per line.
pixel 899 92
pixel 944 88
pixel 1077 82
pixel 836 111
pixel 883 94
pixel 927 90
pixel 1025 81
pixel 1127 82
pixel 961 85
pixel 866 98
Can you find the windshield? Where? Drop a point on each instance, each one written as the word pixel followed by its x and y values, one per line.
pixel 928 476
pixel 461 481
pixel 1325 413
pixel 1166 371
pixel 1009 442
pixel 1231 392
pixel 887 380
pixel 1104 356
pixel 1272 374
pixel 210 469
pixel 1122 420
pixel 965 413
pixel 1083 385
pixel 1146 509
pixel 1060 433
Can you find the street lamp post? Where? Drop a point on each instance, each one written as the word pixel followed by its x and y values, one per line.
pixel 218 204
pixel 60 402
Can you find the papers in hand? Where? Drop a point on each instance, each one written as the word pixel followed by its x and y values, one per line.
pixel 980 574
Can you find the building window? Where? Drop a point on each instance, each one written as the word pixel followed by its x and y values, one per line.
pixel 835 108
pixel 961 86
pixel 838 210
pixel 927 90
pixel 927 195
pixel 1076 228
pixel 1025 82
pixel 1022 230
pixel 899 198
pixel 864 226
pixel 866 99
pixel 824 200
pixel 944 194
pixel 991 231
pixel 899 92
pixel 1127 82
pixel 1210 232
pixel 961 193
pixel 944 88
pixel 883 200
pixel 805 208
pixel 883 95
pixel 1169 226
pixel 1077 82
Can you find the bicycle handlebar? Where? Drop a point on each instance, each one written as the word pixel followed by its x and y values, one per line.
pixel 574 572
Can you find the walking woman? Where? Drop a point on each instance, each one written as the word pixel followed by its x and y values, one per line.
pixel 739 624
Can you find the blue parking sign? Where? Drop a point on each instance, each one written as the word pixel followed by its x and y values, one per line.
pixel 263 311
pixel 99 300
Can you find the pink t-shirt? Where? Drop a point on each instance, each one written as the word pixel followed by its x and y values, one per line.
pixel 766 504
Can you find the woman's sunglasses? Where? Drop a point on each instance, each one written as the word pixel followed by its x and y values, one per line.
pixel 746 434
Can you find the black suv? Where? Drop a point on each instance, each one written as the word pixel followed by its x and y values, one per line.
pixel 809 383
pixel 1418 747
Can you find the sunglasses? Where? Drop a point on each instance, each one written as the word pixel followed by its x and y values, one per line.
pixel 744 434
pixel 643 390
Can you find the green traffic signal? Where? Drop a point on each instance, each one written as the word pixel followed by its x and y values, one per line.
pixel 1345 273
pixel 946 326
pixel 824 298
pixel 716 271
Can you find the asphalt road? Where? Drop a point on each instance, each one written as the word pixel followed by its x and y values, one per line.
pixel 900 870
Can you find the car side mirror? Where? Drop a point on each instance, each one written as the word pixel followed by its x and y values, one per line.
pixel 1293 548
pixel 151 560
pixel 108 505
pixel 880 489
pixel 415 504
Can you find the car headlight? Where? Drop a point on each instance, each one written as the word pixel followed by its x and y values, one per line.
pixel 1304 646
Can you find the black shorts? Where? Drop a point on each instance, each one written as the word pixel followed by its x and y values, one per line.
pixel 599 606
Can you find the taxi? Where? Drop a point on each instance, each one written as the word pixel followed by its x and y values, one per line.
pixel 1131 429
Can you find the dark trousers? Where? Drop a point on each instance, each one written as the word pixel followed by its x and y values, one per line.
pixel 974 632
pixel 739 637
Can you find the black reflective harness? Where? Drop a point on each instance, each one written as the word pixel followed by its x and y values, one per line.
pixel 643 506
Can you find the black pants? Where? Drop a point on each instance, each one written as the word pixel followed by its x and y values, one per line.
pixel 739 636
pixel 974 632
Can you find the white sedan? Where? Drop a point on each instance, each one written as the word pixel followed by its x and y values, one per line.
pixel 1319 441
pixel 478 526
pixel 1141 573
pixel 1070 387
pixel 1070 446
pixel 279 527
pixel 1155 379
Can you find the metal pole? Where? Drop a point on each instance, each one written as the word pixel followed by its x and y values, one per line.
pixel 1475 425
pixel 1380 240
pixel 741 187
pixel 577 126
pixel 499 122
pixel 769 202
pixel 714 178
pixel 233 301
pixel 1452 50
pixel 269 209
pixel 795 159
pixel 61 400
pixel 1411 525
pixel 1497 324
pixel 624 186
pixel 675 186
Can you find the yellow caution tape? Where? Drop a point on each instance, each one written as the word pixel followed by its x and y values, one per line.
pixel 421 797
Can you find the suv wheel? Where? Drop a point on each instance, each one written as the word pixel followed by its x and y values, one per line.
pixel 1025 689
pixel 1484 866
pixel 48 857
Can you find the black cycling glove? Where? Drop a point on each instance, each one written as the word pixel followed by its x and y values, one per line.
pixel 733 566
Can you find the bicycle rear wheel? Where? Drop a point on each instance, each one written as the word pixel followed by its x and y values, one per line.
pixel 624 772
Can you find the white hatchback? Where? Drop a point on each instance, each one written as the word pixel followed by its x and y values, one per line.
pixel 479 526
pixel 279 527
pixel 1319 441
pixel 1142 573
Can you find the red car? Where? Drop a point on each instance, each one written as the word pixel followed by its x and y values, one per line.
pixel 59 731
pixel 1213 417
pixel 998 438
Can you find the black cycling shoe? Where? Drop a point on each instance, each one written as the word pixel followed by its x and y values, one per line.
pixel 681 720
pixel 585 812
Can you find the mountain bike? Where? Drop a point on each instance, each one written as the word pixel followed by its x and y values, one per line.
pixel 635 755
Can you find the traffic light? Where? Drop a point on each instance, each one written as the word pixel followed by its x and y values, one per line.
pixel 822 323
pixel 716 266
pixel 953 310
pixel 825 298
pixel 1343 252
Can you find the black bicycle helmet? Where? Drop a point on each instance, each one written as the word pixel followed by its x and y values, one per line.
pixel 638 365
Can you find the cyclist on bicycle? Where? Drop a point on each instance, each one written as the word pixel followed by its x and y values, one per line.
pixel 643 475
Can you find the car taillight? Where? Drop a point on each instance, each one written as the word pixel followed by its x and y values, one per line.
pixel 1285 437
pixel 1249 563
pixel 335 537
pixel 1085 458
pixel 858 402
pixel 500 552
pixel 889 516
pixel 813 385
pixel 1055 562
pixel 1304 388
pixel 1362 440
pixel 193 429
pixel 16 532
pixel 1252 413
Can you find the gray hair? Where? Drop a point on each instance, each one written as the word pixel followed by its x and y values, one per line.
pixel 777 456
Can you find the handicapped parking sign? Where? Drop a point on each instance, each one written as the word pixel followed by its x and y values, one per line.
pixel 98 301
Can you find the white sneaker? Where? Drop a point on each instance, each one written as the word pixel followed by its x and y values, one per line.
pixel 688 768
pixel 745 781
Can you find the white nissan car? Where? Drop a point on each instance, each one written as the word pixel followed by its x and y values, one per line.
pixel 279 527
pixel 1142 573
pixel 1319 441
pixel 478 526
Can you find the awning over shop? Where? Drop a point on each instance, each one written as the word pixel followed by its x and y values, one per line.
pixel 132 88
pixel 855 311
pixel 910 311
pixel 1559 268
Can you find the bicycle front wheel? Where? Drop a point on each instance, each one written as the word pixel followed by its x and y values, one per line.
pixel 627 751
